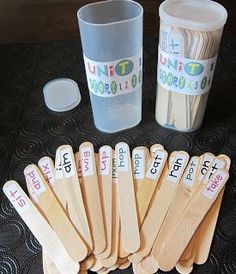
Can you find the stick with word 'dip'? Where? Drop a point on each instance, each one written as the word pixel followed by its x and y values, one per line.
pixel 185 264
pixel 55 214
pixel 74 199
pixel 127 204
pixel 48 265
pixel 190 220
pixel 105 185
pixel 159 207
pixel 140 158
pixel 40 228
pixel 91 195
pixel 148 186
pixel 112 258
pixel 208 225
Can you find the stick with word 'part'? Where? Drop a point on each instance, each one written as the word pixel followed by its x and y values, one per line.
pixel 74 199
pixel 159 207
pixel 127 204
pixel 43 232
pixel 91 197
pixel 190 220
pixel 55 214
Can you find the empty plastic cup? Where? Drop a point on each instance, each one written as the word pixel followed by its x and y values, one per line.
pixel 112 38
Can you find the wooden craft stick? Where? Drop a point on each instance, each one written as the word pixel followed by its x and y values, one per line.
pixel 55 214
pixel 40 228
pixel 180 200
pixel 105 184
pixel 207 227
pixel 125 265
pixel 140 158
pixel 149 264
pixel 112 258
pixel 58 187
pixel 96 266
pixel 151 225
pixel 127 204
pixel 154 148
pixel 74 200
pixel 46 166
pixel 91 195
pixel 87 263
pixel 190 219
pixel 147 188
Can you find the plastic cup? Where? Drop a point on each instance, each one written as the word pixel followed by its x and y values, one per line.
pixel 189 40
pixel 112 38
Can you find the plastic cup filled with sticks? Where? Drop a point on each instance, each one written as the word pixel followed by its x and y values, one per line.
pixel 189 40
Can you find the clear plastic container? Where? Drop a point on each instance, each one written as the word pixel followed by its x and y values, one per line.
pixel 112 38
pixel 189 40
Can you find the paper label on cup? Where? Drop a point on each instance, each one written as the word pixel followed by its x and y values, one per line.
pixel 109 79
pixel 184 75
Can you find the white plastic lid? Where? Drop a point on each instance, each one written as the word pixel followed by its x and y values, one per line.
pixel 61 94
pixel 199 15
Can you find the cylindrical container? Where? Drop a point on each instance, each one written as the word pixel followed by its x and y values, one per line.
pixel 189 40
pixel 112 39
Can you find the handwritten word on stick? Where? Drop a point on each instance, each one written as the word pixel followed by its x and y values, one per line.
pixel 74 199
pixel 127 204
pixel 55 214
pixel 190 220
pixel 43 232
pixel 91 195
pixel 46 166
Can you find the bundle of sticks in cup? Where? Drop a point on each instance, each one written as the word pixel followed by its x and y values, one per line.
pixel 108 210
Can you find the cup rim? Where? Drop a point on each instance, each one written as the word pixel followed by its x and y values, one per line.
pixel 110 23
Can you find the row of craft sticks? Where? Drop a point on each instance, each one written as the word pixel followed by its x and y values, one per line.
pixel 103 211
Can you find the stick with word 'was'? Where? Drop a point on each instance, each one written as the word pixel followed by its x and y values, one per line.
pixel 185 264
pixel 208 225
pixel 127 204
pixel 105 184
pixel 43 232
pixel 74 199
pixel 140 158
pixel 112 258
pixel 159 207
pixel 55 214
pixel 190 220
pixel 91 195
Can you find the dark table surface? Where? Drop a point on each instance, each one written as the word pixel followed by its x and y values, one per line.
pixel 28 131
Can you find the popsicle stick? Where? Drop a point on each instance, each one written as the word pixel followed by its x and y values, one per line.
pixel 151 225
pixel 58 187
pixel 207 227
pixel 87 263
pixel 127 204
pixel 46 166
pixel 112 258
pixel 189 221
pixel 55 214
pixel 140 158
pixel 137 268
pixel 149 264
pixel 48 266
pixel 154 148
pixel 125 265
pixel 162 105
pixel 105 184
pixel 96 266
pixel 147 188
pixel 183 193
pixel 91 197
pixel 40 228
pixel 73 194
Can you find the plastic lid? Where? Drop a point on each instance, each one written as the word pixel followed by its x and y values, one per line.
pixel 61 94
pixel 199 15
